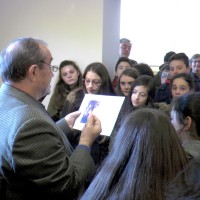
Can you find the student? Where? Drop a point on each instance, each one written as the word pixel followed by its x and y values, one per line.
pixel 145 156
pixel 36 158
pixel 180 84
pixel 164 67
pixel 122 64
pixel 185 117
pixel 141 95
pixel 164 77
pixel 125 81
pixel 167 56
pixel 186 185
pixel 195 64
pixel 96 80
pixel 144 69
pixel 70 78
pixel 178 63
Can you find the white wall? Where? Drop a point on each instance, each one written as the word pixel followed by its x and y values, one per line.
pixel 158 26
pixel 74 29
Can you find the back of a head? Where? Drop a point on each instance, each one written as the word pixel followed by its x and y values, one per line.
pixel 143 129
pixel 144 69
pixel 168 55
pixel 188 105
pixel 186 185
pixel 145 144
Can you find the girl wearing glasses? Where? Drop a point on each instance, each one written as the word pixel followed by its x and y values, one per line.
pixel 70 78
pixel 96 80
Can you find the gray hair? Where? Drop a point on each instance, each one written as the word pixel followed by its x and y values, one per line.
pixel 18 56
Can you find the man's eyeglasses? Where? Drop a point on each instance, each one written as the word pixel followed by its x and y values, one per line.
pixel 94 82
pixel 53 68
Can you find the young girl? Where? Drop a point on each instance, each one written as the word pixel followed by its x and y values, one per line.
pixel 146 155
pixel 182 84
pixel 125 81
pixel 122 64
pixel 141 95
pixel 96 80
pixel 185 117
pixel 70 78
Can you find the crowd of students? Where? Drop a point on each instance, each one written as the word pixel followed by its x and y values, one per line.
pixel 155 137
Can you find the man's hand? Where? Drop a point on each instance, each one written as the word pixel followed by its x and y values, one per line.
pixel 90 131
pixel 70 118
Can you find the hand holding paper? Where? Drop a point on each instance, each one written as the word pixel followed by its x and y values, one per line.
pixel 90 131
pixel 70 118
pixel 106 108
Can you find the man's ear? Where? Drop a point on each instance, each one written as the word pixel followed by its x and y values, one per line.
pixel 32 72
pixel 188 124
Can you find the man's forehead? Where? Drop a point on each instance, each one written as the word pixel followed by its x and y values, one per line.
pixel 126 44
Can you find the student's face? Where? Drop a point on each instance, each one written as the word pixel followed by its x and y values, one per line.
pixel 177 67
pixel 69 75
pixel 179 87
pixel 195 64
pixel 121 67
pixel 92 82
pixel 139 96
pixel 125 49
pixel 125 84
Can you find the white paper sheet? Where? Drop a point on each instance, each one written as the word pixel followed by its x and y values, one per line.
pixel 106 108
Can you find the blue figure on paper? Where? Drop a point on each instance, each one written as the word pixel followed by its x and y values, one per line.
pixel 89 109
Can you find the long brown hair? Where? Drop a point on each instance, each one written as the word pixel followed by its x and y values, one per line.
pixel 62 89
pixel 100 69
pixel 146 155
